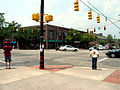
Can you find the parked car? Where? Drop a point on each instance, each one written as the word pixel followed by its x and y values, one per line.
pixel 68 48
pixel 57 48
pixel 107 46
pixel 112 47
pixel 91 48
pixel 113 53
pixel 101 48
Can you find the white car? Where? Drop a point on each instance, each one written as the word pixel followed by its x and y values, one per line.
pixel 101 48
pixel 68 48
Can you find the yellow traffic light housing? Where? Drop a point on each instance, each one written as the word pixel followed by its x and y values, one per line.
pixel 36 17
pixel 23 30
pixel 32 31
pixel 76 6
pixel 48 18
pixel 98 19
pixel 14 29
pixel 90 14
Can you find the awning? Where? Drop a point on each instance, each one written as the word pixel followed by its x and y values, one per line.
pixel 13 42
pixel 60 40
pixel 6 41
pixel 51 40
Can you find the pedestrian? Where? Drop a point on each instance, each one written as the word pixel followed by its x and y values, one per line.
pixel 94 54
pixel 7 53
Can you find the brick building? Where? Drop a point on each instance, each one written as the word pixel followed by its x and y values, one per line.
pixel 54 36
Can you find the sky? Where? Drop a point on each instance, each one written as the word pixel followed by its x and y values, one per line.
pixel 64 15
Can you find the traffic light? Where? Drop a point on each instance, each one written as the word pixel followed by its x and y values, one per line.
pixel 14 29
pixel 23 31
pixel 48 18
pixel 76 6
pixel 104 27
pixel 98 19
pixel 94 30
pixel 36 17
pixel 91 32
pixel 32 31
pixel 90 14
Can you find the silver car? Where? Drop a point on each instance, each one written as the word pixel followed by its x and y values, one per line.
pixel 68 48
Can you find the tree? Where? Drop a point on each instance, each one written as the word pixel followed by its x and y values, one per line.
pixel 110 39
pixel 24 39
pixel 2 29
pixel 102 42
pixel 73 35
pixel 119 42
pixel 87 38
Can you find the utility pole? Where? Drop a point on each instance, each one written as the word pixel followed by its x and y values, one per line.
pixel 41 36
pixel 39 17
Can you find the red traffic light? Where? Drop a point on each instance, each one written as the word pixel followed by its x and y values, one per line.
pixel 94 30
pixel 104 27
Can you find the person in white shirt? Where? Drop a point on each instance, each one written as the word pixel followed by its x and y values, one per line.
pixel 94 54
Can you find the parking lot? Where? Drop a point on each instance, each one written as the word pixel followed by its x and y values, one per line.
pixel 52 57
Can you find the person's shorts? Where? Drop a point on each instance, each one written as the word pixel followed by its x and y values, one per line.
pixel 8 59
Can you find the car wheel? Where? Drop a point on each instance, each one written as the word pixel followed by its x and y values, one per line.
pixel 65 49
pixel 75 50
pixel 112 55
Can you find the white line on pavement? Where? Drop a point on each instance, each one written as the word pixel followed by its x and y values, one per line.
pixel 2 61
pixel 102 59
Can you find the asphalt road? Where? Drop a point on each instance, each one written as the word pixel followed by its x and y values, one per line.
pixel 52 57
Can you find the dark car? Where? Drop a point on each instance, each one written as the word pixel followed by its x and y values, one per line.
pixel 57 48
pixel 113 53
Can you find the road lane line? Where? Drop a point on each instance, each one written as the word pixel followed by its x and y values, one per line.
pixel 102 59
pixel 2 61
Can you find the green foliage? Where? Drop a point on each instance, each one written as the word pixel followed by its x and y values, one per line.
pixel 110 39
pixel 2 19
pixel 102 42
pixel 73 35
pixel 88 37
pixel 119 42
pixel 6 31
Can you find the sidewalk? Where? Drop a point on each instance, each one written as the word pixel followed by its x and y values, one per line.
pixel 61 78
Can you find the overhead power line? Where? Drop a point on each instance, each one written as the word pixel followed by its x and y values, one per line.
pixel 98 26
pixel 100 13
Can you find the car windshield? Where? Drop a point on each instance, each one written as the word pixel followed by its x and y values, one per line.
pixel 69 46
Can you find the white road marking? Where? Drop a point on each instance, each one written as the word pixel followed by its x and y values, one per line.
pixel 2 61
pixel 102 59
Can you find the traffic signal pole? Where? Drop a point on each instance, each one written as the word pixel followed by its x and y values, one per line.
pixel 41 36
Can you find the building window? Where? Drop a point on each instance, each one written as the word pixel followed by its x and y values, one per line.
pixel 51 33
pixel 65 34
pixel 59 34
pixel 44 33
